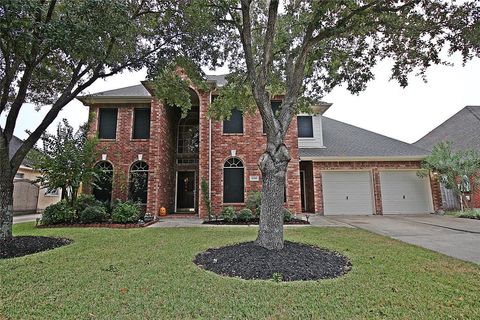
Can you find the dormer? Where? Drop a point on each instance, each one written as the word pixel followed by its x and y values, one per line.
pixel 310 133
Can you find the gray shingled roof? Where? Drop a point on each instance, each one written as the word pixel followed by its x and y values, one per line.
pixel 462 129
pixel 131 91
pixel 15 143
pixel 343 140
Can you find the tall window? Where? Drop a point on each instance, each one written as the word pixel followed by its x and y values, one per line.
pixel 305 126
pixel 235 123
pixel 141 123
pixel 138 182
pixel 233 181
pixel 188 136
pixel 102 188
pixel 107 123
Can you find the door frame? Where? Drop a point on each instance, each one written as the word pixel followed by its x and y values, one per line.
pixel 303 186
pixel 194 190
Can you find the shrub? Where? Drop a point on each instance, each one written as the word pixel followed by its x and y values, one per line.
pixel 228 214
pixel 125 212
pixel 57 213
pixel 470 214
pixel 254 202
pixel 86 200
pixel 245 215
pixel 287 215
pixel 96 213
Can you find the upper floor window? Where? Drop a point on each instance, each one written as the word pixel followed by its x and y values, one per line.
pixel 305 126
pixel 276 110
pixel 141 123
pixel 107 123
pixel 188 137
pixel 235 123
pixel 19 175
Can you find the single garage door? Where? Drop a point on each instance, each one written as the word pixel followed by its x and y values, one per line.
pixel 404 192
pixel 347 192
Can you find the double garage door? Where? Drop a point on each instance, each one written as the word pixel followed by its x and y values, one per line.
pixel 352 192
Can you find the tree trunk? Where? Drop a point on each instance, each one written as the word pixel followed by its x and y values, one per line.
pixel 273 164
pixel 6 203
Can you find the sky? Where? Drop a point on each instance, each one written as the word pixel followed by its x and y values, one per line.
pixel 384 107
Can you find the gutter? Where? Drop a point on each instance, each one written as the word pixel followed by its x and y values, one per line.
pixel 210 150
pixel 347 159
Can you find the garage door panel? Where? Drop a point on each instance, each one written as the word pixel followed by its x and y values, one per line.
pixel 404 192
pixel 347 193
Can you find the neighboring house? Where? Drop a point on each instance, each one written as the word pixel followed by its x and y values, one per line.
pixel 28 197
pixel 463 131
pixel 336 168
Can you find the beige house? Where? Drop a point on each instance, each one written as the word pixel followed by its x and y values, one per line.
pixel 28 197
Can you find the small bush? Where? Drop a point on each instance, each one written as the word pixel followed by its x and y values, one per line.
pixel 58 213
pixel 470 214
pixel 254 202
pixel 87 200
pixel 287 215
pixel 228 214
pixel 96 213
pixel 125 212
pixel 245 215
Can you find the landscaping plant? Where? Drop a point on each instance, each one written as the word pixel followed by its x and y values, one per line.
pixel 228 214
pixel 58 213
pixel 245 215
pixel 125 212
pixel 206 198
pixel 254 202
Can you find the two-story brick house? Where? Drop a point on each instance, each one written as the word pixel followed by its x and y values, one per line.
pixel 155 156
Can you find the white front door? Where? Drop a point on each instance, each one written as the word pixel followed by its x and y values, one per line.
pixel 347 193
pixel 404 192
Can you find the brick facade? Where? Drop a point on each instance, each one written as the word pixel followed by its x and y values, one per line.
pixel 374 167
pixel 214 148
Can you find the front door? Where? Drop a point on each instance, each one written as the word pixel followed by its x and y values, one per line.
pixel 185 191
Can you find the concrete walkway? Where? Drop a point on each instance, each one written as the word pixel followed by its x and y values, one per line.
pixel 26 218
pixel 315 220
pixel 455 237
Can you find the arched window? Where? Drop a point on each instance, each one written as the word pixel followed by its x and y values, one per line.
pixel 102 187
pixel 233 181
pixel 138 182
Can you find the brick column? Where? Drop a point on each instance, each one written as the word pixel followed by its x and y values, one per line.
pixel 318 191
pixel 436 193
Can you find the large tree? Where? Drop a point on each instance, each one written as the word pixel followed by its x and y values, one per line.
pixel 303 49
pixel 51 50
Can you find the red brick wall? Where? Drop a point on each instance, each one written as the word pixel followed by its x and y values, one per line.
pixel 249 146
pixel 123 151
pixel 375 167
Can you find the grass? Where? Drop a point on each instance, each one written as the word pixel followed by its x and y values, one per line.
pixel 149 274
pixel 470 214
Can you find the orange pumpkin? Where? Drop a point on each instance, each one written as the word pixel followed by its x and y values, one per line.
pixel 163 211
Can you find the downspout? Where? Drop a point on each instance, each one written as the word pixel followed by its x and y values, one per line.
pixel 210 151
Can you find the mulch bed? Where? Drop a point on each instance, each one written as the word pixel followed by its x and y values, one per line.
pixel 22 246
pixel 252 222
pixel 99 225
pixel 295 262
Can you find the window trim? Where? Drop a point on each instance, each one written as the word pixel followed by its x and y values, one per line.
pixel 313 127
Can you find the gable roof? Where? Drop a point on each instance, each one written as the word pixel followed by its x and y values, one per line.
pixel 14 145
pixel 462 129
pixel 347 142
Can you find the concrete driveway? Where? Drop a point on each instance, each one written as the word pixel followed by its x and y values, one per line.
pixel 455 237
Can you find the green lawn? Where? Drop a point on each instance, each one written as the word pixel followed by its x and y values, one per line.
pixel 149 274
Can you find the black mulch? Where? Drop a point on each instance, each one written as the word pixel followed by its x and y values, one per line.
pixel 22 246
pixel 294 262
pixel 251 222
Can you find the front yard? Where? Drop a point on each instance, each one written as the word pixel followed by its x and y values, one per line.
pixel 149 274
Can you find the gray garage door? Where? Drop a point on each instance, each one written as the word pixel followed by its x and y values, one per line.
pixel 347 192
pixel 404 192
